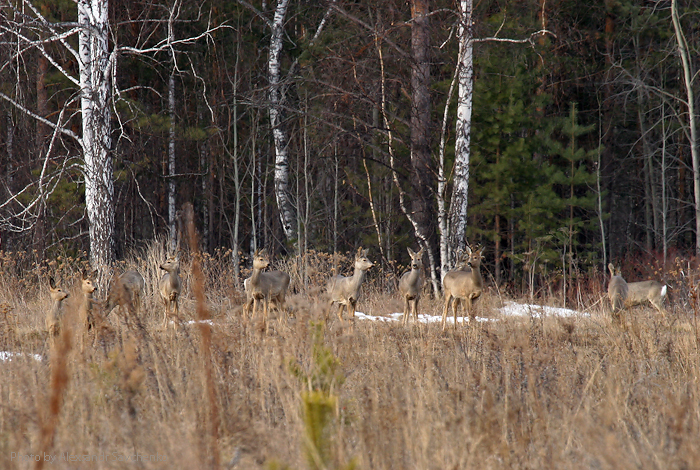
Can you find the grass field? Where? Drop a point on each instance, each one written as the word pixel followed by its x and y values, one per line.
pixel 517 392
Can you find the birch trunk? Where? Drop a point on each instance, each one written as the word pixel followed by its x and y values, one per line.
pixel 692 121
pixel 284 203
pixel 96 67
pixel 456 239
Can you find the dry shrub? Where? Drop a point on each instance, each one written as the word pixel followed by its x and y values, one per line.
pixel 514 393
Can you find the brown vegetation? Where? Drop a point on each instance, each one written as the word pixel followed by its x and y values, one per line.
pixel 515 393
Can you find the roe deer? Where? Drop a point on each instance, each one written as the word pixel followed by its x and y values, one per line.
pixel 87 287
pixel 411 285
pixel 463 283
pixel 617 290
pixel 126 292
pixel 345 290
pixel 170 287
pixel 87 318
pixel 269 286
pixel 53 318
pixel 652 291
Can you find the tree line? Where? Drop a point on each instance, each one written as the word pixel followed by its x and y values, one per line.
pixel 559 136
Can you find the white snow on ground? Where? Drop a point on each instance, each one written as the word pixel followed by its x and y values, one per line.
pixel 194 322
pixel 537 311
pixel 509 309
pixel 8 356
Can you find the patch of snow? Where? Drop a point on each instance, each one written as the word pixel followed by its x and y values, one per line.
pixel 513 309
pixel 538 311
pixel 194 322
pixel 9 355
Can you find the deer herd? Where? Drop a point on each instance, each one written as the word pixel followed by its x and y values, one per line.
pixel 269 288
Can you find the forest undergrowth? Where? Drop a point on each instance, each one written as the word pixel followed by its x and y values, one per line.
pixel 512 392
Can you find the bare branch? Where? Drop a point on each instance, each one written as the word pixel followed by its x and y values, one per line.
pixel 257 12
pixel 165 44
pixel 530 39
pixel 370 28
pixel 41 119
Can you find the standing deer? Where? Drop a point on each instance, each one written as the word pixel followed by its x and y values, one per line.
pixel 464 283
pixel 617 290
pixel 88 319
pixel 345 291
pixel 266 286
pixel 53 318
pixel 170 287
pixel 411 285
pixel 88 288
pixel 126 292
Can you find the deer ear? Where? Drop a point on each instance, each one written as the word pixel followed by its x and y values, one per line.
pixel 365 251
pixel 52 283
pixel 410 252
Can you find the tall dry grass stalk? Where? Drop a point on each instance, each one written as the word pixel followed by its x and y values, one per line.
pixel 203 323
pixel 57 388
pixel 513 393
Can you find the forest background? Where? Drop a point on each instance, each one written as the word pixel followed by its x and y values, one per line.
pixel 305 125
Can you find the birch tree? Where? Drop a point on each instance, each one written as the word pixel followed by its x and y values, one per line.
pixel 96 67
pixel 455 238
pixel 96 59
pixel 96 64
pixel 453 221
pixel 276 97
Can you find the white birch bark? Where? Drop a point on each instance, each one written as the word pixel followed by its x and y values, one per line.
pixel 692 121
pixel 281 177
pixel 96 68
pixel 465 79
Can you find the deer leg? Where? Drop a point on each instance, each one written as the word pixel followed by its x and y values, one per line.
pixel 341 307
pixel 406 311
pixel 658 307
pixel 166 308
pixel 266 306
pixel 353 304
pixel 448 298
pixel 455 308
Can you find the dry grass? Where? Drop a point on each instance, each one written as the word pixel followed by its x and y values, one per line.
pixel 517 393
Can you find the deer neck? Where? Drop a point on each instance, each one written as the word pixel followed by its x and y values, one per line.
pixel 358 276
pixel 56 308
pixel 476 274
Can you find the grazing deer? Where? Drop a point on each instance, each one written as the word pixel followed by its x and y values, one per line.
pixel 463 283
pixel 652 291
pixel 126 292
pixel 170 287
pixel 617 290
pixel 53 318
pixel 345 290
pixel 411 285
pixel 266 286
